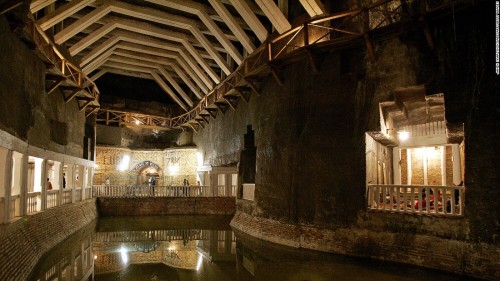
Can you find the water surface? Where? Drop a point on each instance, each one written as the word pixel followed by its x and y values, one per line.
pixel 192 248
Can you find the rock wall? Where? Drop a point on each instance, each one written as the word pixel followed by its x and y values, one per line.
pixel 26 111
pixel 310 140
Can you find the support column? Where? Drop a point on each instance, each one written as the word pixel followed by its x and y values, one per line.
pixel 214 182
pixel 84 181
pixel 24 186
pixel 396 165
pixel 61 189
pixel 457 169
pixel 72 183
pixel 443 165
pixel 7 186
pixel 227 186
pixel 43 201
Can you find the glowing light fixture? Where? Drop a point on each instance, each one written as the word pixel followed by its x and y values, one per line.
pixel 173 169
pixel 137 122
pixel 124 163
pixel 403 135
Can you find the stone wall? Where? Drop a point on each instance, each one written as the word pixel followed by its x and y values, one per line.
pixel 166 206
pixel 175 164
pixel 310 139
pixel 26 111
pixel 24 241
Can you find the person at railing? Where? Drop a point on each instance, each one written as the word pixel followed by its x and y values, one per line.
pixel 153 183
pixel 107 184
pixel 198 188
pixel 185 187
pixel 49 184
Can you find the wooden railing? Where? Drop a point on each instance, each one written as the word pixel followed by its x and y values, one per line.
pixel 418 199
pixel 69 71
pixel 334 29
pixel 132 191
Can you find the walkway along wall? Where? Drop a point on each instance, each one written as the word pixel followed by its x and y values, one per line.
pixel 310 147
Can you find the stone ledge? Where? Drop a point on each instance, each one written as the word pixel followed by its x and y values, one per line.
pixel 478 260
pixel 158 206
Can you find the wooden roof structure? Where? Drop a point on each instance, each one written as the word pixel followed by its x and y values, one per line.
pixel 187 46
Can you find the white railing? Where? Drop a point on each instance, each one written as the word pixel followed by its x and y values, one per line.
pixel 88 192
pixel 67 196
pixel 34 200
pixel 78 194
pixel 157 191
pixel 15 205
pixel 52 198
pixel 419 199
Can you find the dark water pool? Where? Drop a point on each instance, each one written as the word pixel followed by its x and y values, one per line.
pixel 192 248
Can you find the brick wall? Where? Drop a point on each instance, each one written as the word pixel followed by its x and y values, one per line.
pixel 166 206
pixel 421 248
pixel 25 241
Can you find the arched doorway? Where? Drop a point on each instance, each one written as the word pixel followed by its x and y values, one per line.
pixel 145 170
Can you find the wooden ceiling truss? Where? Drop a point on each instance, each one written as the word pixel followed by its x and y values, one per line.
pixel 150 42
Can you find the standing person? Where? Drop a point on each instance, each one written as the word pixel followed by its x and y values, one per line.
pixel 49 184
pixel 107 184
pixel 153 183
pixel 184 188
pixel 64 180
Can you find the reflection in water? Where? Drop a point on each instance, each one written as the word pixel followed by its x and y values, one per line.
pixel 200 248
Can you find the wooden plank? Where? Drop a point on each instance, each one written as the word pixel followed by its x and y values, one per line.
pixel 62 13
pixel 37 5
pixel 201 11
pixel 9 5
pixel 164 53
pixel 250 18
pixel 169 91
pixel 313 7
pixel 274 14
pixel 233 25
pixel 176 86
pixel 70 31
pixel 92 38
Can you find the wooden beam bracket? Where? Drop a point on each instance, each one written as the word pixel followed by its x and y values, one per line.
pixel 313 60
pixel 275 70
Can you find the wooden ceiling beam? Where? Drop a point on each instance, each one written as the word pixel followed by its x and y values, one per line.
pixel 62 13
pixel 143 40
pixel 274 14
pixel 38 5
pixel 167 89
pixel 143 13
pixel 254 8
pixel 162 61
pixel 313 7
pixel 148 29
pixel 167 54
pixel 233 25
pixel 250 18
pixel 155 76
pixel 176 86
pixel 128 73
pixel 201 11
